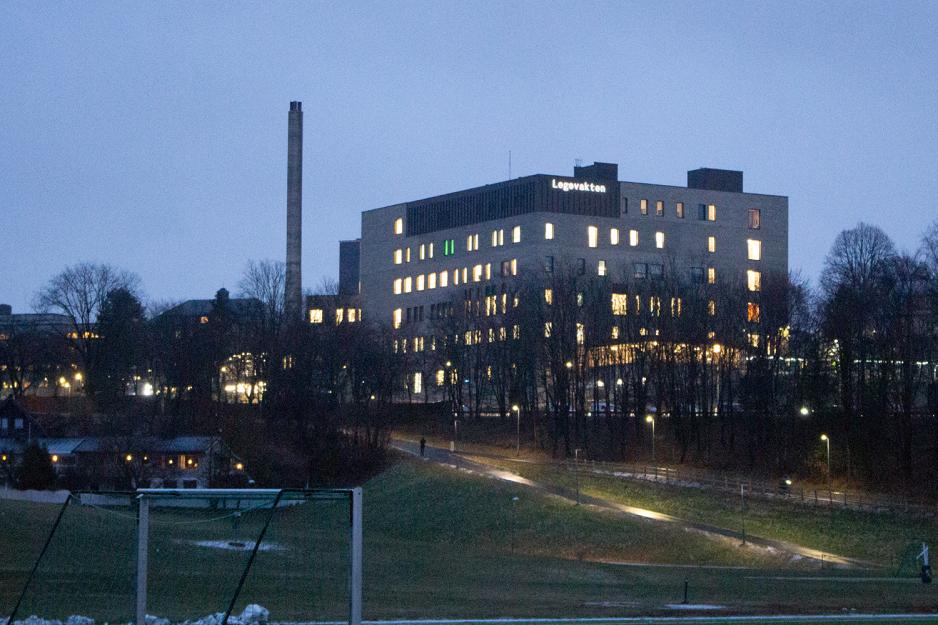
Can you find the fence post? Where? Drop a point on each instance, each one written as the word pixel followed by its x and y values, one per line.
pixel 355 552
pixel 143 531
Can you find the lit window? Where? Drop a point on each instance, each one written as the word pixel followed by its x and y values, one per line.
pixel 547 328
pixel 711 307
pixel 548 296
pixel 711 275
pixel 633 238
pixel 548 231
pixel 407 255
pixel 754 248
pixel 680 210
pixel 614 236
pixel 398 256
pixel 488 271
pixel 465 275
pixel 498 237
pixel 753 314
pixel 753 280
pixel 601 268
pixel 620 304
pixel 418 383
pixel 516 234
pixel 455 277
pixel 407 284
pixel 449 247
pixel 430 250
pixel 643 206
pixel 315 315
pixel 615 332
pixel 423 251
pixel 676 306
pixel 712 212
pixel 398 284
pixel 399 225
pixel 711 244
pixel 396 317
pixel 444 279
pixel 659 240
pixel 431 280
pixel 477 273
pixel 420 282
pixel 440 377
pixel 659 208
pixel 755 218
pixel 592 236
pixel 203 320
pixel 352 316
pixel 339 315
pixel 514 266
pixel 580 334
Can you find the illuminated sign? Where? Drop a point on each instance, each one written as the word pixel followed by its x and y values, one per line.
pixel 565 185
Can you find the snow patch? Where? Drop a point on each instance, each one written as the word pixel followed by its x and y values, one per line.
pixel 236 545
pixel 253 614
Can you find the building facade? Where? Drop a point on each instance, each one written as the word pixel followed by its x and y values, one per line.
pixel 417 256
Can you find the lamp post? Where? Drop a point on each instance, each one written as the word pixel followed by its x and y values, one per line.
pixel 826 439
pixel 651 419
pixel 517 412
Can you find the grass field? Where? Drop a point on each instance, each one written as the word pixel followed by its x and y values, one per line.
pixel 438 544
pixel 880 538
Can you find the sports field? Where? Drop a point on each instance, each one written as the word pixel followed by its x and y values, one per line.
pixel 438 544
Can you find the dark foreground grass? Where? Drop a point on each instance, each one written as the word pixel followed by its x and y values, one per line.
pixel 881 538
pixel 438 543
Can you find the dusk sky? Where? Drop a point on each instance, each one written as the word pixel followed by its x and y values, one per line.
pixel 153 135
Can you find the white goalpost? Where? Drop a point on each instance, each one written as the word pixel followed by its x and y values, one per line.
pixel 257 499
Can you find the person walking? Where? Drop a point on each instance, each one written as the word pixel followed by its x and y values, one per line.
pixel 423 445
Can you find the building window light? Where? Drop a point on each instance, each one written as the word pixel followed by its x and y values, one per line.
pixel 407 255
pixel 420 282
pixel 592 236
pixel 399 225
pixel 712 307
pixel 711 212
pixel 423 251
pixel 407 284
pixel 396 318
pixel 601 268
pixel 488 271
pixel 633 238
pixel 643 206
pixel 465 275
pixel 711 244
pixel 754 249
pixel 431 280
pixel 711 275
pixel 477 273
pixel 315 315
pixel 620 304
pixel 753 314
pixel 398 256
pixel 613 236
pixel 514 266
pixel 339 315
pixel 398 286
pixel 548 231
pixel 444 279
pixel 548 296
pixel 659 240
pixel 429 250
pixel 516 234
pixel 680 210
pixel 753 280
pixel 659 208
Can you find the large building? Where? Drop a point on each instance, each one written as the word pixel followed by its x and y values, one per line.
pixel 418 255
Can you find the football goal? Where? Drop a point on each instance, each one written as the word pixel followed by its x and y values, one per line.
pixel 183 554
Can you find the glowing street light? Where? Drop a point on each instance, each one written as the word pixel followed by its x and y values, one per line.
pixel 517 412
pixel 651 419
pixel 805 411
pixel 826 439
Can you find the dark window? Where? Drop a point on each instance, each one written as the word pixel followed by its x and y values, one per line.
pixel 506 268
pixel 655 271
pixel 755 219
pixel 625 205
pixel 640 270
pixel 697 275
pixel 580 266
pixel 702 212
pixel 549 264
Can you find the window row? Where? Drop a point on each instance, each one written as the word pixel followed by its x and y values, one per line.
pixel 342 315
pixel 464 275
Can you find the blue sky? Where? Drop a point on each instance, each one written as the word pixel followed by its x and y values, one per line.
pixel 153 135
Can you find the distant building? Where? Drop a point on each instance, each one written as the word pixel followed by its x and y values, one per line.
pixel 417 257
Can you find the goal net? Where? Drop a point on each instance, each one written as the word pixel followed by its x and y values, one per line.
pixel 187 554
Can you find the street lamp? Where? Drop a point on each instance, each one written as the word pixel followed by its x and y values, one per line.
pixel 651 419
pixel 517 412
pixel 805 411
pixel 826 439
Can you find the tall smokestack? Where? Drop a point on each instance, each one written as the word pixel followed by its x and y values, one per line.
pixel 293 287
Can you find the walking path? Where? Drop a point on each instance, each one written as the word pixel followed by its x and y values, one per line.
pixel 455 460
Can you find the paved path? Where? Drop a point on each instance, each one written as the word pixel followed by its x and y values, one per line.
pixel 455 460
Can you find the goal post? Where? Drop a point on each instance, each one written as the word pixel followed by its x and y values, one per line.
pixel 257 499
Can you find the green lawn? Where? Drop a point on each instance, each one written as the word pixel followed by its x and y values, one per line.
pixel 438 543
pixel 875 537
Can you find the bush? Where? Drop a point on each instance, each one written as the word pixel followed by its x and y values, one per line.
pixel 36 471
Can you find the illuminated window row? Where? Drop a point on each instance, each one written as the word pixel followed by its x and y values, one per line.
pixel 659 208
pixel 342 315
pixel 592 237
pixel 464 275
